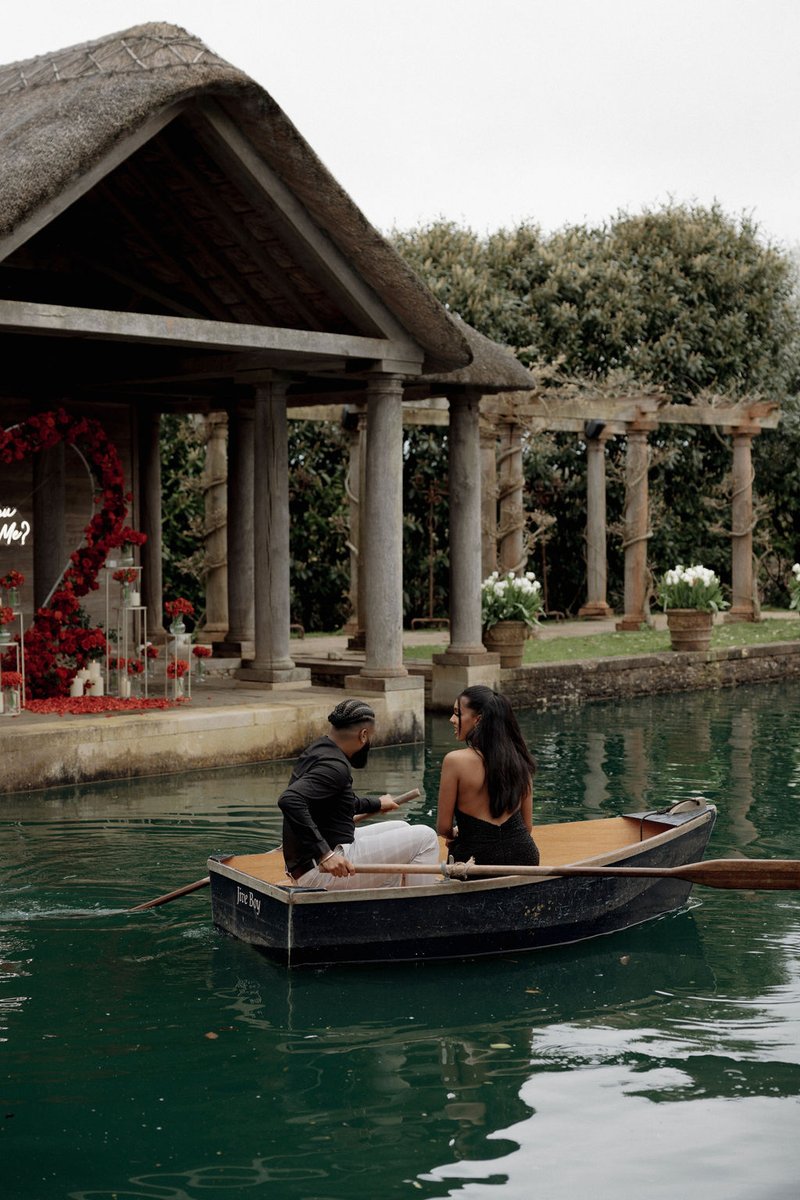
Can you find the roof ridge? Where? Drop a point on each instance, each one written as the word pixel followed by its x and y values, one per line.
pixel 140 48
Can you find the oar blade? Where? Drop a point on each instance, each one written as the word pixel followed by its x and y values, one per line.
pixel 767 874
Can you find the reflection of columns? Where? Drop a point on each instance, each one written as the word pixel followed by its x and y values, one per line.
pixel 272 664
pixel 635 759
pixel 356 484
pixel 214 481
pixel 464 494
pixel 596 566
pixel 240 584
pixel 150 517
pixel 382 565
pixel 742 607
pixel 740 797
pixel 595 779
pixel 49 535
pixel 637 519
pixel 511 530
pixel 488 439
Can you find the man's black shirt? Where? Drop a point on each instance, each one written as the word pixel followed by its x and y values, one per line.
pixel 318 806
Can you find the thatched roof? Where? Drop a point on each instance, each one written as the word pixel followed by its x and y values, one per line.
pixel 494 368
pixel 62 113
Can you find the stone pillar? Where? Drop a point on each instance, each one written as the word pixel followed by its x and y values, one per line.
pixel 356 487
pixel 272 666
pixel 150 556
pixel 637 525
pixel 743 606
pixel 383 529
pixel 488 438
pixel 216 564
pixel 596 605
pixel 49 534
pixel 512 554
pixel 240 574
pixel 465 662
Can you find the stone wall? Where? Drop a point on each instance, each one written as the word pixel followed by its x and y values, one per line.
pixel 546 685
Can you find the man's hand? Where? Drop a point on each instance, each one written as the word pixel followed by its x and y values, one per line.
pixel 336 864
pixel 388 803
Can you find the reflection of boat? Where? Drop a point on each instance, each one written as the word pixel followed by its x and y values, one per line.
pixel 251 900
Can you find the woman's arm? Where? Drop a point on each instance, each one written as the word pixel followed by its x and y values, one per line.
pixel 448 795
pixel 526 808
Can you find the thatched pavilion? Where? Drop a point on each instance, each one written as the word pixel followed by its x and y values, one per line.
pixel 169 242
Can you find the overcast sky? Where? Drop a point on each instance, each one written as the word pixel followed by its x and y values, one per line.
pixel 489 112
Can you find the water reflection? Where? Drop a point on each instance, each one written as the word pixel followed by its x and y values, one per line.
pixel 150 1057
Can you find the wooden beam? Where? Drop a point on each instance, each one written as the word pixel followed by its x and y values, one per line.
pixel 82 184
pixel 22 316
pixel 624 409
pixel 235 152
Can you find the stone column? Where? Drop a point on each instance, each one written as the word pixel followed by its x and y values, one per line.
pixel 356 486
pixel 383 530
pixel 465 661
pixel 512 554
pixel 150 518
pixel 240 635
pixel 488 438
pixel 214 489
pixel 49 533
pixel 637 524
pixel 743 604
pixel 272 665
pixel 596 605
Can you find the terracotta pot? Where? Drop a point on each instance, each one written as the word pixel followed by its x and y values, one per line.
pixel 689 628
pixel 507 638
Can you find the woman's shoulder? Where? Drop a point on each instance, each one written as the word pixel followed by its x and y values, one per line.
pixel 465 756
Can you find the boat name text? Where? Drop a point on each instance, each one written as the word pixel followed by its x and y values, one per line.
pixel 248 900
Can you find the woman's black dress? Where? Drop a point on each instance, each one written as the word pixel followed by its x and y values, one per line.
pixel 508 844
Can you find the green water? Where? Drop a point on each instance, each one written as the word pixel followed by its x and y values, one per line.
pixel 660 1063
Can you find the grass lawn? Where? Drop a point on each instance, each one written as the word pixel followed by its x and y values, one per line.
pixel 649 641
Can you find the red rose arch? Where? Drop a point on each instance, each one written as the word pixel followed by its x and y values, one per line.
pixel 60 638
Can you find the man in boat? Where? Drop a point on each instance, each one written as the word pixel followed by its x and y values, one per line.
pixel 321 845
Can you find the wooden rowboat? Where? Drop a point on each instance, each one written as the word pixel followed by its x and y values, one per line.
pixel 251 898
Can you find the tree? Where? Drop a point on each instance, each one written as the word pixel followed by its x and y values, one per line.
pixel 686 298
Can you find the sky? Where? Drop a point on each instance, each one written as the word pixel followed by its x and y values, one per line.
pixel 493 112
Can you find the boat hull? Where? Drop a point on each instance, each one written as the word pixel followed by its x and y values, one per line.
pixel 456 920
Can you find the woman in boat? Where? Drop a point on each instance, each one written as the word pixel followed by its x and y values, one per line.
pixel 486 793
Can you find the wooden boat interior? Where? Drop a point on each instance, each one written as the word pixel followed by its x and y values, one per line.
pixel 560 844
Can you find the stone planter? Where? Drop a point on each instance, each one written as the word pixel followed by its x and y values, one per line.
pixel 689 628
pixel 507 638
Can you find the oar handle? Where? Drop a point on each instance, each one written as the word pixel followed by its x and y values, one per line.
pixel 403 798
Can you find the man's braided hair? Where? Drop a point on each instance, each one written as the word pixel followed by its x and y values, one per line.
pixel 351 712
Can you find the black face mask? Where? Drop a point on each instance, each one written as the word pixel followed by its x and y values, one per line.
pixel 359 759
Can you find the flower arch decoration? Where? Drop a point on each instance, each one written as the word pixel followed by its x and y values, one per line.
pixel 60 636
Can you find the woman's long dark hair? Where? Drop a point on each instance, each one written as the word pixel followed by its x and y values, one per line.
pixel 498 738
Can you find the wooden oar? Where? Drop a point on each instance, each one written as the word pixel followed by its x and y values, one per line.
pixel 201 883
pixel 776 874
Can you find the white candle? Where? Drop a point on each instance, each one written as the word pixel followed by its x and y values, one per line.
pixel 124 687
pixel 76 688
pixel 135 599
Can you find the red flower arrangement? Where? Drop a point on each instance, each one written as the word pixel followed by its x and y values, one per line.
pixel 135 667
pixel 202 651
pixel 6 614
pixel 126 575
pixel 149 650
pixel 128 537
pixel 60 638
pixel 179 608
pixel 177 668
pixel 12 580
pixel 118 664
pixel 11 679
